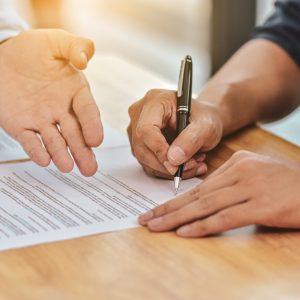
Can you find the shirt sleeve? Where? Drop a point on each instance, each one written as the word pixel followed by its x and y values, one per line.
pixel 11 23
pixel 283 27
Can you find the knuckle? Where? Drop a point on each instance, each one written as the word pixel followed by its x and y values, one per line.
pixel 245 165
pixel 149 171
pixel 87 108
pixel 139 153
pixel 142 130
pixel 155 173
pixel 225 219
pixel 132 110
pixel 90 45
pixel 241 154
pixel 75 136
pixel 129 132
pixel 152 93
pixel 177 217
pixel 32 152
pixel 194 193
pixel 51 141
pixel 204 204
pixel 199 228
pixel 164 209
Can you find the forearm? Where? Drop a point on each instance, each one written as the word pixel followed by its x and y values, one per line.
pixel 260 82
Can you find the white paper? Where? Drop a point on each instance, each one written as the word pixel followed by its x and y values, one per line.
pixel 9 148
pixel 40 205
pixel 113 138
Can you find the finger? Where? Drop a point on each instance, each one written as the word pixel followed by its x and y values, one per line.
pixel 199 169
pixel 57 148
pixel 154 173
pixel 187 143
pixel 33 146
pixel 153 166
pixel 147 158
pixel 169 206
pixel 237 156
pixel 88 115
pixel 129 133
pixel 82 154
pixel 201 208
pixel 155 116
pixel 230 218
pixel 154 140
pixel 72 48
pixel 191 164
pixel 206 187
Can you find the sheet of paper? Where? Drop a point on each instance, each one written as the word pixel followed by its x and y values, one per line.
pixel 12 150
pixel 9 148
pixel 113 137
pixel 40 205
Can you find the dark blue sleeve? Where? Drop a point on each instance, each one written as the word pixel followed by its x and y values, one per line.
pixel 283 27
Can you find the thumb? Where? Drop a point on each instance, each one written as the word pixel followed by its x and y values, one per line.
pixel 77 50
pixel 187 143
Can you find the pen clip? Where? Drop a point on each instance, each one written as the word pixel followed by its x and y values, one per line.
pixel 180 81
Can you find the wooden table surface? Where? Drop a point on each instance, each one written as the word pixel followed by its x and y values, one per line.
pixel 248 263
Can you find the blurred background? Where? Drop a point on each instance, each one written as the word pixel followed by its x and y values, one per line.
pixel 156 34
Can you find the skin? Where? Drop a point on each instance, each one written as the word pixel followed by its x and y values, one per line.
pixel 234 196
pixel 46 102
pixel 260 82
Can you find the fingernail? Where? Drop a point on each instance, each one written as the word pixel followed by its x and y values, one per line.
pixel 83 56
pixel 176 155
pixel 202 169
pixel 144 218
pixel 153 224
pixel 171 169
pixel 189 165
pixel 184 230
pixel 201 157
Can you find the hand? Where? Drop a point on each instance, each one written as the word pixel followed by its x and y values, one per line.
pixel 247 189
pixel 152 129
pixel 46 102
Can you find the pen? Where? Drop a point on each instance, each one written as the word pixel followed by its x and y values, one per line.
pixel 184 96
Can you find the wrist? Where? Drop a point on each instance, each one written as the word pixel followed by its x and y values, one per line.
pixel 229 100
pixel 217 98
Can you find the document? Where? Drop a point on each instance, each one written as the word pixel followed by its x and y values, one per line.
pixel 9 148
pixel 41 205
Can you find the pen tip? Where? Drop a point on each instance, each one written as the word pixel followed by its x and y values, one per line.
pixel 176 191
pixel 176 184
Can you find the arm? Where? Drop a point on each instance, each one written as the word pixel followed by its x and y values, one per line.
pixel 260 82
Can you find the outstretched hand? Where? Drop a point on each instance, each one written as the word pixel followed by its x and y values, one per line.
pixel 46 102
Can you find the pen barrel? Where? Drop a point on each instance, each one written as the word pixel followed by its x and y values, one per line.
pixel 182 121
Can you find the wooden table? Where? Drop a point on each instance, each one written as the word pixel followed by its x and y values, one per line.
pixel 248 263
